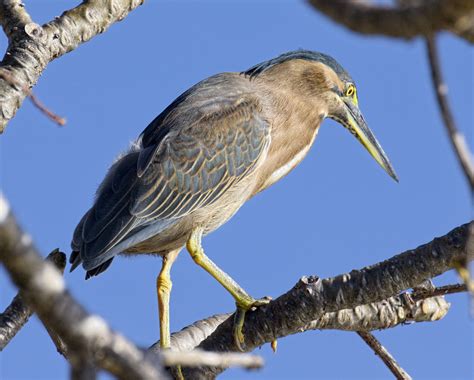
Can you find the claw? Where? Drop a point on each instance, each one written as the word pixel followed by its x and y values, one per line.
pixel 239 319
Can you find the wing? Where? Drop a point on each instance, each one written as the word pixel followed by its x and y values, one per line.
pixel 193 168
pixel 188 162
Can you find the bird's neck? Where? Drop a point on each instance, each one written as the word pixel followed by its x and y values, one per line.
pixel 295 122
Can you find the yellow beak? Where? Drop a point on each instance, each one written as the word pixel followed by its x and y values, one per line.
pixel 355 122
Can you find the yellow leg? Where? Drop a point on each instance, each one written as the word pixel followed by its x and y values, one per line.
pixel 163 289
pixel 243 301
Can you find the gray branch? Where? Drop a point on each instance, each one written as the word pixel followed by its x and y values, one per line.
pixel 456 138
pixel 312 297
pixel 31 46
pixel 18 312
pixel 407 21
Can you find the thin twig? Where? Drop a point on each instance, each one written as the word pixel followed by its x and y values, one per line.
pixel 458 142
pixel 36 102
pixel 50 114
pixel 439 291
pixel 382 352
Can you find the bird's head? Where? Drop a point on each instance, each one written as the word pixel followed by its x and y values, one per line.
pixel 322 80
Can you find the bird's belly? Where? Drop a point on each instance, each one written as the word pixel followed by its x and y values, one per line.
pixel 174 237
pixel 209 218
pixel 215 215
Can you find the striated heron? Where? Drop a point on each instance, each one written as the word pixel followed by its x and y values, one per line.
pixel 218 144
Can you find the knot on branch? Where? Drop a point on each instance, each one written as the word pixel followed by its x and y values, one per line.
pixel 310 285
pixel 307 280
pixel 34 30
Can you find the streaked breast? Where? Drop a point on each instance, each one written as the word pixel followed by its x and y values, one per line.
pixel 284 169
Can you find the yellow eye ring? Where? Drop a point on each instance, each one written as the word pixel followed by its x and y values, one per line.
pixel 350 91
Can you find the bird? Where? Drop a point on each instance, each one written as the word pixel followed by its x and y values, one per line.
pixel 221 142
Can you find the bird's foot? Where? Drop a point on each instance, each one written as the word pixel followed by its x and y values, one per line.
pixel 239 317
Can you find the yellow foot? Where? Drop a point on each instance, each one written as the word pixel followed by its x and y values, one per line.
pixel 239 318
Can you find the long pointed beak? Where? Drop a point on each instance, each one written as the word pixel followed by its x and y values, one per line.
pixel 355 122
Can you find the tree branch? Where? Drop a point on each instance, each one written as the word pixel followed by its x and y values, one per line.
pixel 312 297
pixel 408 21
pixel 458 142
pixel 382 352
pixel 32 47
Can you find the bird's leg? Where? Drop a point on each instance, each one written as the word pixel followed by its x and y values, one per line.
pixel 243 300
pixel 163 289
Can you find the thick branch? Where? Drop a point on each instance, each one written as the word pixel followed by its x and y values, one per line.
pixel 32 47
pixel 312 297
pixel 43 288
pixel 458 142
pixel 18 312
pixel 408 21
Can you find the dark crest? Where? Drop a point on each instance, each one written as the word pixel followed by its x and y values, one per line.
pixel 299 54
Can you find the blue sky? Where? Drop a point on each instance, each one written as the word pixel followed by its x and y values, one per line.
pixel 336 212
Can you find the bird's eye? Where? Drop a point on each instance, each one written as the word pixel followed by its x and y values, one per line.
pixel 350 91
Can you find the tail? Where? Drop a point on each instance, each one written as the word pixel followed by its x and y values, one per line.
pixel 75 260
